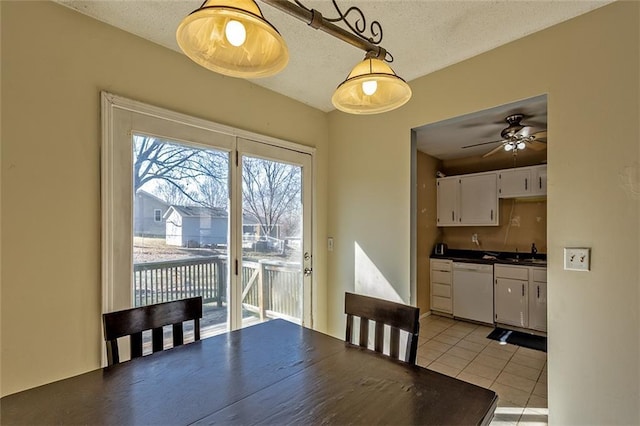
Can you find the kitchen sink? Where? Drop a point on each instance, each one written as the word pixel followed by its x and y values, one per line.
pixel 536 261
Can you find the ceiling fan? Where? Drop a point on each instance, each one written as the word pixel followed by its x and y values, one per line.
pixel 516 137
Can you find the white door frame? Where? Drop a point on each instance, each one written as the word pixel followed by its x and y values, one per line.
pixel 119 116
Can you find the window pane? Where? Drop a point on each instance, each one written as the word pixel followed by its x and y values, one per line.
pixel 271 240
pixel 181 226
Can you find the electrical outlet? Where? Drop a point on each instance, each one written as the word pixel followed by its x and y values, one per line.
pixel 577 259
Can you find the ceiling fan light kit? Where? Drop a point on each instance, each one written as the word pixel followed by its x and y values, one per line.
pixel 231 37
pixel 516 137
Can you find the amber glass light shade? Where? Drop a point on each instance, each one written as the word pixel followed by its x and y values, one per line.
pixel 202 37
pixel 358 94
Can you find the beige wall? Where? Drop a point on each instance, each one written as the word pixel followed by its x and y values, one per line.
pixel 522 222
pixel 50 167
pixel 427 233
pixel 589 68
pixel 55 62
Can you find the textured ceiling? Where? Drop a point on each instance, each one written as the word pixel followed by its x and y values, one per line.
pixel 445 140
pixel 422 35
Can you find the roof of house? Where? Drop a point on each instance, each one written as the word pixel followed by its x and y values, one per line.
pixel 197 211
pixel 205 212
pixel 144 193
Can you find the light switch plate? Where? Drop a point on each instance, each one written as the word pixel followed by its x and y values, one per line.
pixel 577 259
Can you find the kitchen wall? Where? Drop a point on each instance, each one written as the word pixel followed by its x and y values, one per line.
pixel 427 232
pixel 50 186
pixel 589 68
pixel 522 222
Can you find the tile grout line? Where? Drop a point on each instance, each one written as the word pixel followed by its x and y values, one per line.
pixel 501 370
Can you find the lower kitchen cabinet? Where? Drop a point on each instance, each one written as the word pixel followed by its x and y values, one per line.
pixel 521 296
pixel 538 299
pixel 511 302
pixel 441 280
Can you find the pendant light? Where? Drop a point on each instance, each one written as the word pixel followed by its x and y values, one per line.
pixel 372 87
pixel 231 37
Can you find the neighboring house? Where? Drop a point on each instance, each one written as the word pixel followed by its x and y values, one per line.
pixel 190 226
pixel 193 226
pixel 148 215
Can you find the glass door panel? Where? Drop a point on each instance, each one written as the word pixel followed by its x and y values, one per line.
pixel 181 226
pixel 275 234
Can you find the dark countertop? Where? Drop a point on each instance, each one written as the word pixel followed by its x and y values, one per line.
pixel 504 258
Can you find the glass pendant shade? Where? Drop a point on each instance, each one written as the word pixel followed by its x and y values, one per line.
pixel 231 37
pixel 372 87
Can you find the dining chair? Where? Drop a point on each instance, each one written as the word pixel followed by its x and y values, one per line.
pixel 383 312
pixel 132 322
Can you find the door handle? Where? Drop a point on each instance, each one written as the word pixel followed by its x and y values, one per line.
pixel 307 271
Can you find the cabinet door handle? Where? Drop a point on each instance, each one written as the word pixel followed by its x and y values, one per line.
pixel 523 290
pixel 526 184
pixel 540 182
pixel 491 214
pixel 538 292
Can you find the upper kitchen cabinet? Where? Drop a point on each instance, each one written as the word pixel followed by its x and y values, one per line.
pixel 539 180
pixel 447 201
pixel 469 200
pixel 478 200
pixel 522 182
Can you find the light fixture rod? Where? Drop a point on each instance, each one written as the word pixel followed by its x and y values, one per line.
pixel 313 16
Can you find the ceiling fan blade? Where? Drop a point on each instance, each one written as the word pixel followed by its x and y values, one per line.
pixel 540 135
pixel 537 145
pixel 493 151
pixel 482 143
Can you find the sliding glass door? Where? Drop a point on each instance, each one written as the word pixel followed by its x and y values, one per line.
pixel 191 208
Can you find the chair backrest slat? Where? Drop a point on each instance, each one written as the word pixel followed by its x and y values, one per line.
pixel 383 312
pixel 132 322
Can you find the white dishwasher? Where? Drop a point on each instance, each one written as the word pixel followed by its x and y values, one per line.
pixel 473 291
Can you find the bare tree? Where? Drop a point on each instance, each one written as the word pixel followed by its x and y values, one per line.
pixel 213 187
pixel 271 191
pixel 155 159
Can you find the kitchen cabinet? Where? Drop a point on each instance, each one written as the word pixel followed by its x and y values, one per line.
pixel 441 279
pixel 539 180
pixel 522 182
pixel 511 295
pixel 478 200
pixel 447 201
pixel 469 200
pixel 521 296
pixel 538 299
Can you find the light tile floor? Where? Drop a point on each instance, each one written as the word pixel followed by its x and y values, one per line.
pixel 518 375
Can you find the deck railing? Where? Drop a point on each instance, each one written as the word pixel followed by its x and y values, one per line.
pixel 269 288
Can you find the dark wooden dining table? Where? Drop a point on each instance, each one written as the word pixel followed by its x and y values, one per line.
pixel 272 373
